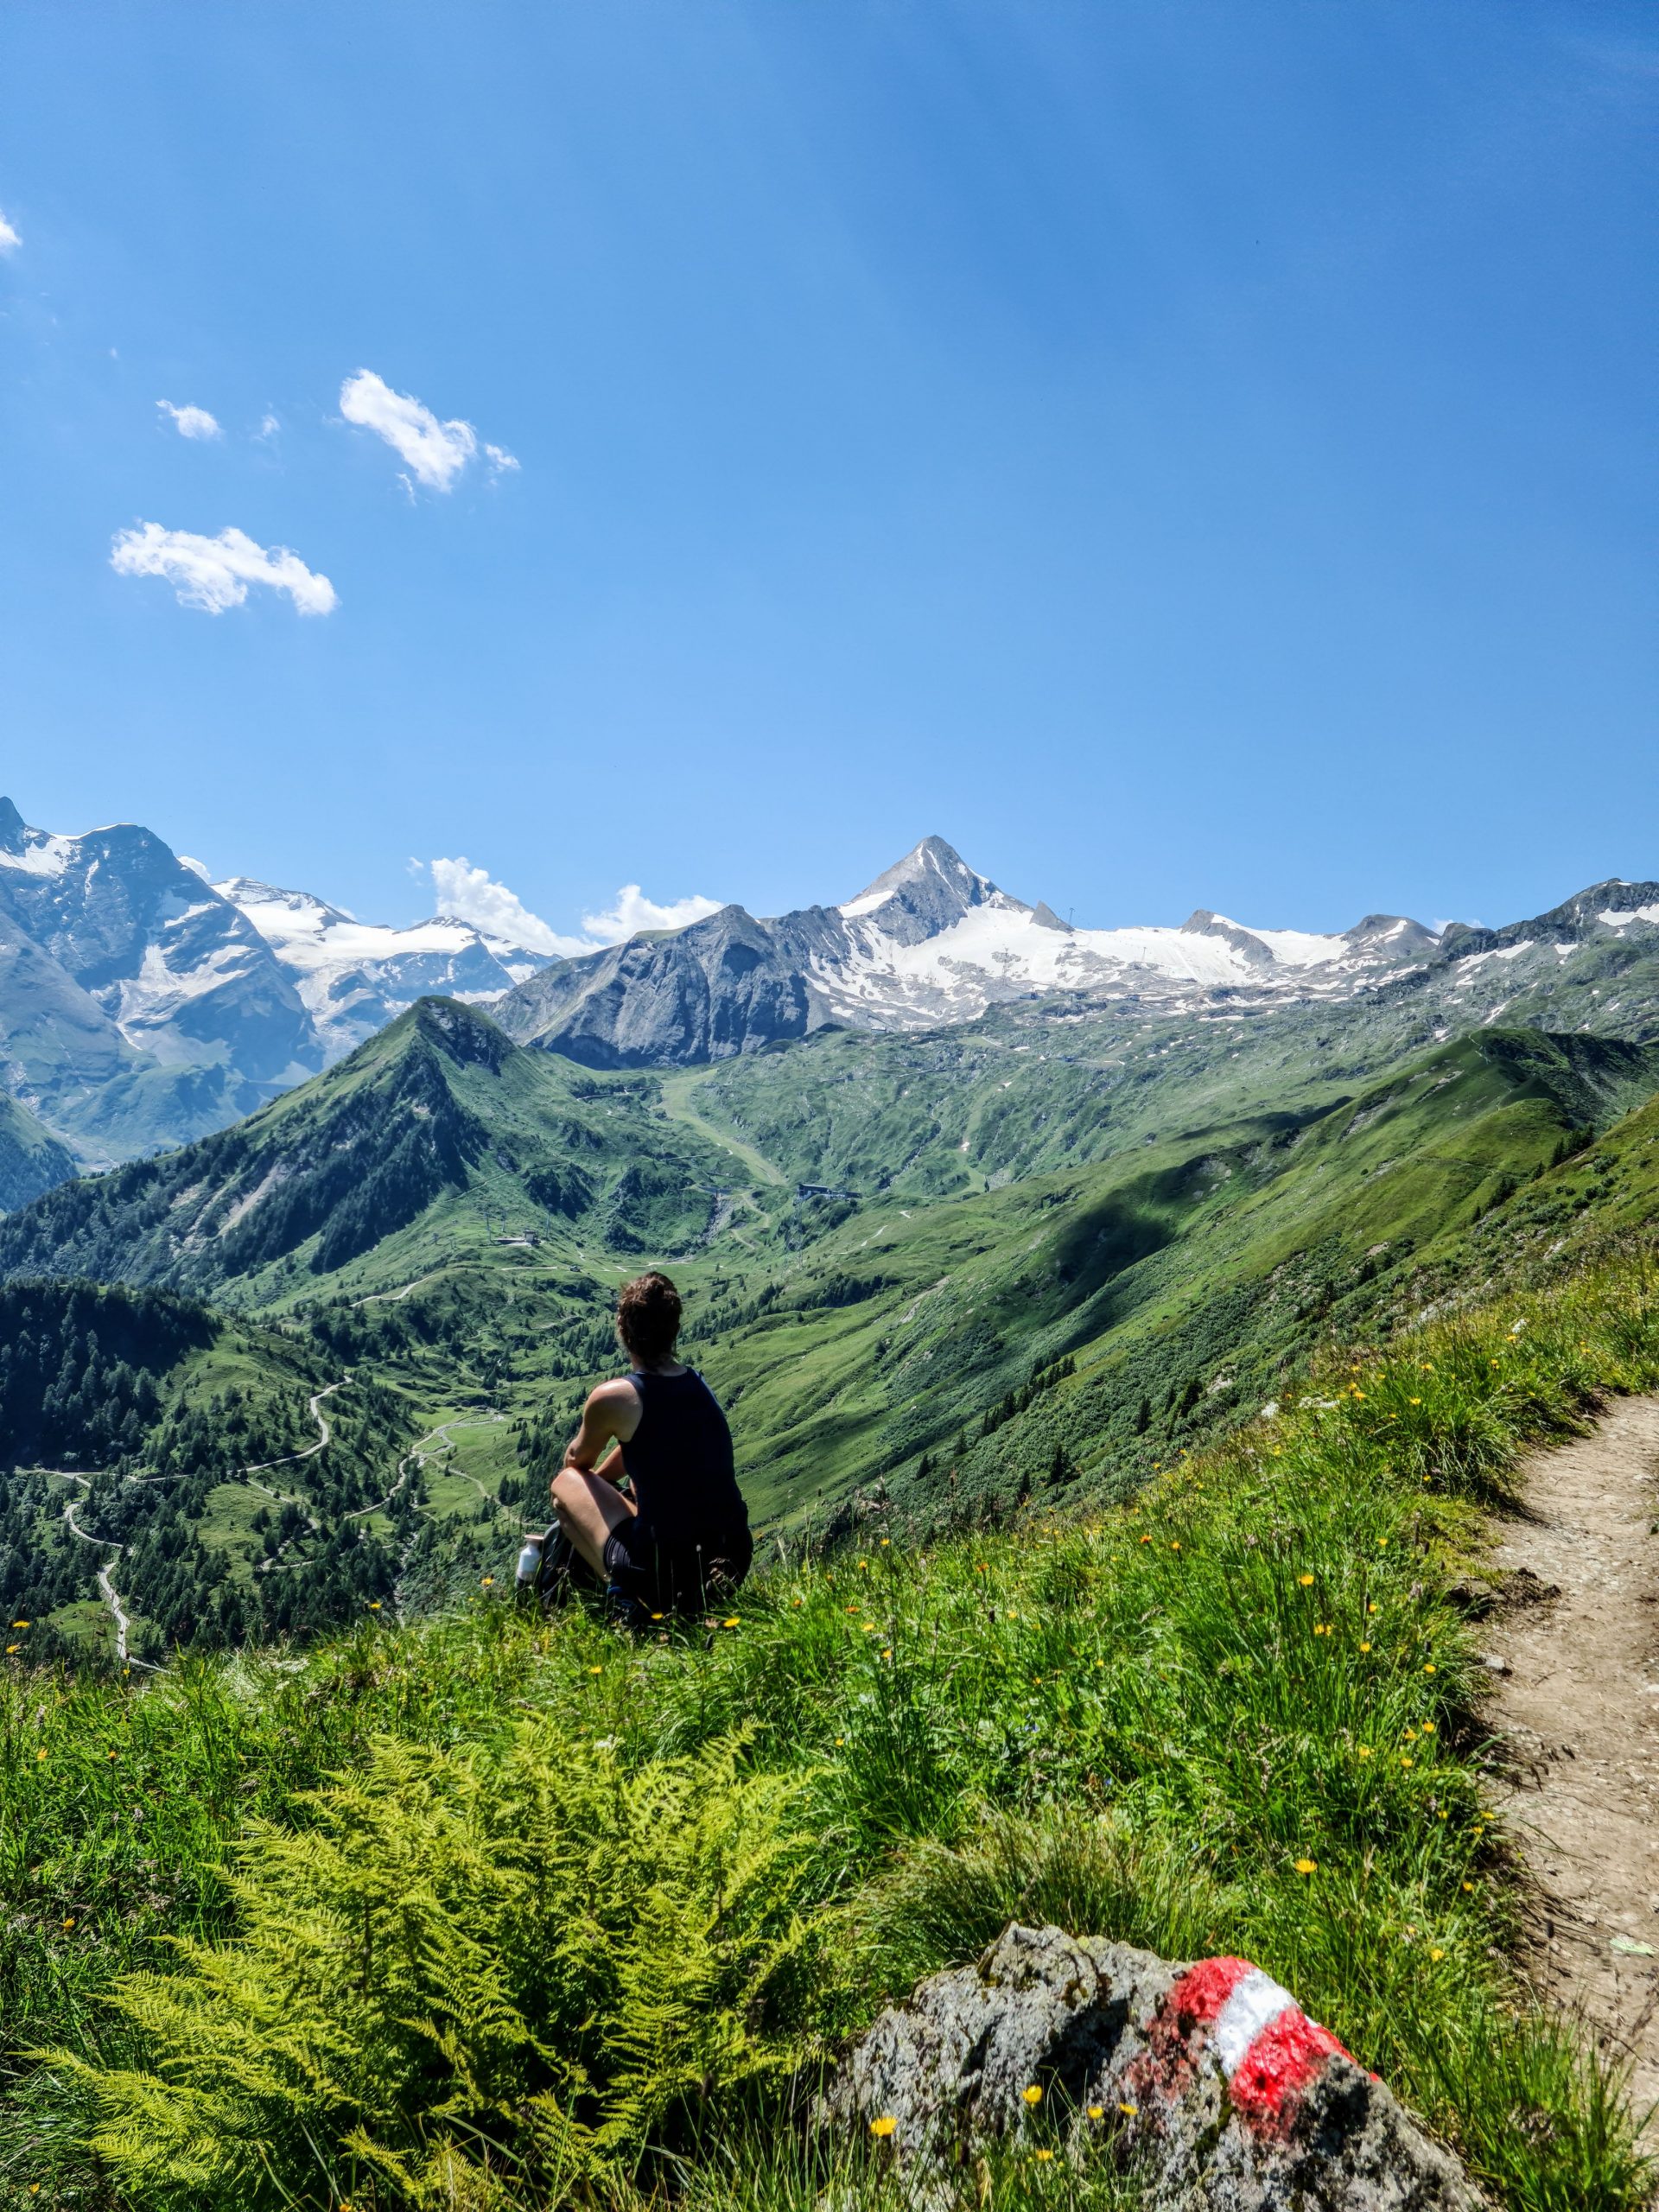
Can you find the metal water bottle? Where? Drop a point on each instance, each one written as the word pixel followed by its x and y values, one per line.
pixel 530 1561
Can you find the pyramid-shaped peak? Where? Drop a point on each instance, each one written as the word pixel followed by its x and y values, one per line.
pixel 12 827
pixel 932 862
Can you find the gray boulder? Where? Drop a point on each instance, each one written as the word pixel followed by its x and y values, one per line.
pixel 1206 2079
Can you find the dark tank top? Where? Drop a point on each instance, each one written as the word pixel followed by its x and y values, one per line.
pixel 679 1461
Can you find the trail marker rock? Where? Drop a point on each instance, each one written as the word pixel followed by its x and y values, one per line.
pixel 1208 2078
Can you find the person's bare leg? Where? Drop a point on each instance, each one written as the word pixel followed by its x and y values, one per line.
pixel 589 1509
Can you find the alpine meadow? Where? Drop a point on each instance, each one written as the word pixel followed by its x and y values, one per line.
pixel 829 1107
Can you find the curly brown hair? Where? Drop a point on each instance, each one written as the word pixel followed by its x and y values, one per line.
pixel 648 1317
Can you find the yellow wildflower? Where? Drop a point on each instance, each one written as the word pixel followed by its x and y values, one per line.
pixel 1306 1581
pixel 1307 1865
pixel 1365 1647
pixel 1043 2154
pixel 884 2127
pixel 1364 1751
pixel 1129 2111
pixel 1097 2112
pixel 731 1621
pixel 11 1648
pixel 1435 1953
pixel 1033 2095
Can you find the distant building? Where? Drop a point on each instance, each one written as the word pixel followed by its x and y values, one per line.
pixel 822 1191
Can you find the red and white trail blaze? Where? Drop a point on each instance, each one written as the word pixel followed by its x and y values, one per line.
pixel 1265 2044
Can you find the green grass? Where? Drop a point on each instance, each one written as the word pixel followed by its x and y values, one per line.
pixel 1143 1725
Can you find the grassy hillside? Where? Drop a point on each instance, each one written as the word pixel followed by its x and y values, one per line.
pixel 483 1912
pixel 31 1158
pixel 434 1230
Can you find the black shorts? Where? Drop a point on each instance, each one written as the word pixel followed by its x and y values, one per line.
pixel 676 1578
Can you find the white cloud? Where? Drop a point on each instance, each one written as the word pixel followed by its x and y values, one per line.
pixel 193 422
pixel 472 894
pixel 214 573
pixel 10 241
pixel 436 453
pixel 268 428
pixel 633 912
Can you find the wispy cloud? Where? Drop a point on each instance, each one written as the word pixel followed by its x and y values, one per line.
pixel 10 239
pixel 214 574
pixel 472 894
pixel 435 453
pixel 192 421
pixel 268 426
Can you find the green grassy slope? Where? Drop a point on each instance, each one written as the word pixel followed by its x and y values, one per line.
pixel 445 1217
pixel 526 1915
pixel 31 1159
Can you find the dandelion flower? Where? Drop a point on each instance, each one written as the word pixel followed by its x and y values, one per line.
pixel 1175 1547
pixel 1427 1728
pixel 1306 1581
pixel 68 1924
pixel 886 1540
pixel 20 1623
pixel 887 1654
pixel 863 1565
pixel 731 1621
pixel 1436 1953
pixel 1146 1540
pixel 1415 1402
pixel 1364 1751
pixel 884 2127
pixel 1097 2112
pixel 1469 1886
pixel 40 1755
pixel 1033 2095
pixel 1307 1865
pixel 1404 1761
pixel 657 1616
pixel 1129 2111
pixel 1365 1647
pixel 1370 1609
pixel 374 1604
pixel 488 1579
pixel 1429 1667
pixel 595 1670
pixel 11 1648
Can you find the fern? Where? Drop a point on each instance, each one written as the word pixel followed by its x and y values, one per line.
pixel 470 1964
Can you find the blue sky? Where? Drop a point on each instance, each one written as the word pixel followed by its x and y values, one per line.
pixel 1183 454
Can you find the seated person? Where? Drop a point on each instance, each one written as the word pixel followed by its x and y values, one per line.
pixel 681 1540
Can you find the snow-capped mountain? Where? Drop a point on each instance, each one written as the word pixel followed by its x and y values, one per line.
pixel 141 1005
pixel 929 942
pixel 353 976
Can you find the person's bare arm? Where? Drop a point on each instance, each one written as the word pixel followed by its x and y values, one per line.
pixel 609 1419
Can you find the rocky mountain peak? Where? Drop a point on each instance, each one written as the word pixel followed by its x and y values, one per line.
pixel 929 890
pixel 12 828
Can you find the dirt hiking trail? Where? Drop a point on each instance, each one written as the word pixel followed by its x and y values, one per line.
pixel 1579 1716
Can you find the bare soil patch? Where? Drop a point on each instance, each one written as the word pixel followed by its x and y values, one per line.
pixel 1576 1625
